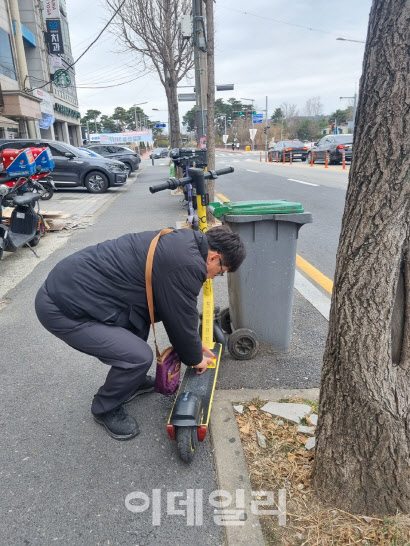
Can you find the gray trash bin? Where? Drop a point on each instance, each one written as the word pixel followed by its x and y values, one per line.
pixel 261 291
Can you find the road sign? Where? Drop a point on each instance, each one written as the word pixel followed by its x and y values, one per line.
pixel 225 138
pixel 257 120
pixel 187 97
pixel 225 87
pixel 160 125
pixel 257 116
pixel 252 133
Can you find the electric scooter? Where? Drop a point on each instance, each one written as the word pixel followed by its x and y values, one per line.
pixel 189 418
pixel 26 224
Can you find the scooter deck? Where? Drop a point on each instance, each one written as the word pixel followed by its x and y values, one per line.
pixel 203 385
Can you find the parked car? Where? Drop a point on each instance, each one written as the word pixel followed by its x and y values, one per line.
pixel 334 145
pixel 90 152
pixel 158 153
pixel 76 168
pixel 298 149
pixel 126 155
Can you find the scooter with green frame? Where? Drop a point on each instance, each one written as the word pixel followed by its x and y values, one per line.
pixel 190 414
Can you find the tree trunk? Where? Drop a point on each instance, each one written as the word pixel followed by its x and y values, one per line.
pixel 173 109
pixel 363 438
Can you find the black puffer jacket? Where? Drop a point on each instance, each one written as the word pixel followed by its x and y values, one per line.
pixel 106 283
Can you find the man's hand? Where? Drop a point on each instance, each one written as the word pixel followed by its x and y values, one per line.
pixel 202 366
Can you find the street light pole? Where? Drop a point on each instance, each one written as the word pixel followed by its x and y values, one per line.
pixel 135 113
pixel 347 40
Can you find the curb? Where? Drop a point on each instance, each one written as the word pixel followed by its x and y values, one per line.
pixel 232 474
pixel 229 459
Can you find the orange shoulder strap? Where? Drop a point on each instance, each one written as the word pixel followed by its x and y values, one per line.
pixel 148 281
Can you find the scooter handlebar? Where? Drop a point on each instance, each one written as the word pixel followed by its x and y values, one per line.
pixel 170 184
pixel 173 183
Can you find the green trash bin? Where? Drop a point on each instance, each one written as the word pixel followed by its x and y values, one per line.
pixel 261 291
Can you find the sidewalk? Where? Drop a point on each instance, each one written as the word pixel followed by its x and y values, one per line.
pixel 66 480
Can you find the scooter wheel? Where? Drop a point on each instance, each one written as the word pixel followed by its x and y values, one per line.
pixel 40 232
pixel 243 344
pixel 187 441
pixel 225 321
pixel 48 194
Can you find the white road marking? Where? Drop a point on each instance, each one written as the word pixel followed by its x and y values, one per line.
pixel 312 295
pixel 301 182
pixel 250 171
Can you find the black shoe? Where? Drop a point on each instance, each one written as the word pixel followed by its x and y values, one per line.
pixel 146 386
pixel 118 424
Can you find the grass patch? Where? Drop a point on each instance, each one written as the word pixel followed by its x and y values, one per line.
pixel 286 464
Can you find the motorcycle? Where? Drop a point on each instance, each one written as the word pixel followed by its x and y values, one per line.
pixel 26 225
pixel 39 170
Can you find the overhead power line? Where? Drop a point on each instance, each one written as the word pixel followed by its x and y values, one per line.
pixel 88 47
pixel 276 20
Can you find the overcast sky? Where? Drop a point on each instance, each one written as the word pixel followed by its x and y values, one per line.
pixel 264 47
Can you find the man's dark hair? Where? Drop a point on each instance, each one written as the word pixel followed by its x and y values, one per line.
pixel 221 239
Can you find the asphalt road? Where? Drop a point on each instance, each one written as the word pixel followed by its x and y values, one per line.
pixel 321 192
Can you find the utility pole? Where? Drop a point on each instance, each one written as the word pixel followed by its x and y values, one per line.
pixel 210 64
pixel 201 76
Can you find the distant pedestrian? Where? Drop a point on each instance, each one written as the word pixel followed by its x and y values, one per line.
pixel 233 146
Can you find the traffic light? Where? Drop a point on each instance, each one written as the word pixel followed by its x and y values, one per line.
pixel 265 129
pixel 253 112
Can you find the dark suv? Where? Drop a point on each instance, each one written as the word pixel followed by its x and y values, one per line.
pixel 74 167
pixel 124 154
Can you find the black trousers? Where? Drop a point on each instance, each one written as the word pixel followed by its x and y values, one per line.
pixel 128 355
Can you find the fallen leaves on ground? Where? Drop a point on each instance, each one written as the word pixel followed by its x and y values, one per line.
pixel 286 464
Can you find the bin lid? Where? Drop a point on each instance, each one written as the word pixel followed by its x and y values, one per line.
pixel 249 208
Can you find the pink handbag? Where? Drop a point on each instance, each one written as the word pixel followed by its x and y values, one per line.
pixel 168 369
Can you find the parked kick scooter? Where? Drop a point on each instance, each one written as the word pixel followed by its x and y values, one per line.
pixel 189 418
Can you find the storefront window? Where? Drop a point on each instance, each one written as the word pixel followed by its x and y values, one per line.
pixel 6 56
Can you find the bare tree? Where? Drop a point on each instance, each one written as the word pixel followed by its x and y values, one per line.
pixel 290 111
pixel 151 29
pixel 363 438
pixel 313 107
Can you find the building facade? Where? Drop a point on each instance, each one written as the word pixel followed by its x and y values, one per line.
pixel 38 94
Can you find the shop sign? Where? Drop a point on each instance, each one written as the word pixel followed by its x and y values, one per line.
pixel 46 105
pixel 62 78
pixel 51 9
pixel 66 111
pixel 54 36
pixel 56 62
